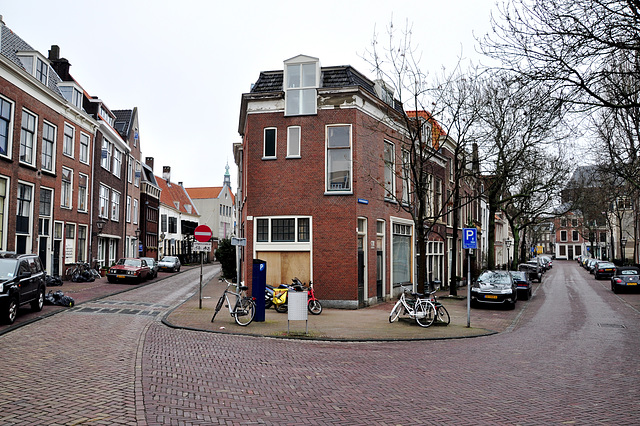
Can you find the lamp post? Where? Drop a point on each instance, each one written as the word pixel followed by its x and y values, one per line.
pixel 100 224
pixel 508 244
pixel 162 235
pixel 623 243
pixel 137 234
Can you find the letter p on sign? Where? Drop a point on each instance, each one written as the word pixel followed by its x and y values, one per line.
pixel 469 238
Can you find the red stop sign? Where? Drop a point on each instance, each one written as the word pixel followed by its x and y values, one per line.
pixel 202 233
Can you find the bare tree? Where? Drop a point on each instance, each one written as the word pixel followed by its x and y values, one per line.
pixel 583 47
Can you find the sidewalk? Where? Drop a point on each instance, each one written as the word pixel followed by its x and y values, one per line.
pixel 365 324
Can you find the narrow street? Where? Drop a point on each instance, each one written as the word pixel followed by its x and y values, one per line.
pixel 571 357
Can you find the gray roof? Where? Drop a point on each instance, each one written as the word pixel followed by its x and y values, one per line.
pixel 12 43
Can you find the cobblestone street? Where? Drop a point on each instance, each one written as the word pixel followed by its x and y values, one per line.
pixel 571 357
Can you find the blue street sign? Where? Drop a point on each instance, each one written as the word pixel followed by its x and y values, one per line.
pixel 469 238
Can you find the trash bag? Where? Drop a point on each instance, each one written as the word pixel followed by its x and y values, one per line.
pixel 58 298
pixel 51 281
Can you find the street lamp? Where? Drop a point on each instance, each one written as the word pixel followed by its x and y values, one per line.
pixel 100 224
pixel 137 234
pixel 508 244
pixel 623 243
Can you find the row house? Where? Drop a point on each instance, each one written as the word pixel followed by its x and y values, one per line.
pixel 179 217
pixel 70 172
pixel 216 205
pixel 321 154
pixel 149 211
pixel 46 145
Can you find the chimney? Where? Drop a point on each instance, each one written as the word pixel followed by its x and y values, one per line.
pixel 60 65
pixel 166 173
pixel 149 162
pixel 180 183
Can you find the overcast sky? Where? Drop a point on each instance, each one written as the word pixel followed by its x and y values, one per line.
pixel 185 64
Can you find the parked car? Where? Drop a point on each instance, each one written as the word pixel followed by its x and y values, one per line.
pixel 591 263
pixel 604 269
pixel 129 269
pixel 153 265
pixel 547 262
pixel 494 287
pixel 22 281
pixel 170 263
pixel 625 277
pixel 533 270
pixel 523 283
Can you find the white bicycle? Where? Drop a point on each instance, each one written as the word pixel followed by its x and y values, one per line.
pixel 421 309
pixel 242 309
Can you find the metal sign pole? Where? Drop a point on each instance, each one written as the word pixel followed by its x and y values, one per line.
pixel 200 293
pixel 468 289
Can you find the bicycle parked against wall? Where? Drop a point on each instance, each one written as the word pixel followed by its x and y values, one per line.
pixel 419 308
pixel 243 307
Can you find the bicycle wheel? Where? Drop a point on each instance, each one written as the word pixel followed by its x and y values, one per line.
pixel 315 307
pixel 218 307
pixel 443 315
pixel 425 313
pixel 244 311
pixel 395 312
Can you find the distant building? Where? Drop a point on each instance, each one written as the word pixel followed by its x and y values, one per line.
pixel 216 205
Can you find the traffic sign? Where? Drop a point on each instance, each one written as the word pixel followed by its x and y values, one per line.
pixel 202 233
pixel 206 247
pixel 469 238
pixel 238 241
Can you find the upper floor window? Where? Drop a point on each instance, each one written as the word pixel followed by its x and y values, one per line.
pixel 36 65
pixel 117 162
pixel 574 235
pixel 65 190
pixel 106 154
pixel 278 230
pixel 106 116
pixel 42 71
pixel 103 210
pixel 71 93
pixel 138 172
pixel 301 77
pixel 135 211
pixel 389 169
pixel 270 135
pixel 67 144
pixel 115 206
pixel 338 158
pixel 48 146
pixel 28 138
pixel 130 169
pixel 406 176
pixel 563 235
pixel 5 127
pixel 83 184
pixel 23 214
pixel 293 142
pixel 84 147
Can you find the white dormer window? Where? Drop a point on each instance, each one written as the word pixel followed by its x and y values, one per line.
pixel 177 204
pixel 36 65
pixel 384 92
pixel 188 208
pixel 72 93
pixel 301 81
pixel 106 116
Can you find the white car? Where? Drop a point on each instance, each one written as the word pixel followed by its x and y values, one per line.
pixel 169 263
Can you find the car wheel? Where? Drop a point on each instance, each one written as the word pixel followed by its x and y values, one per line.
pixel 512 305
pixel 11 311
pixel 526 295
pixel 614 288
pixel 37 304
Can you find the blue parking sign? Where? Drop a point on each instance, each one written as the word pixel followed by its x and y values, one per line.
pixel 469 238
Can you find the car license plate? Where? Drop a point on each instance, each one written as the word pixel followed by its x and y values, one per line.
pixel 632 283
pixel 121 276
pixel 490 296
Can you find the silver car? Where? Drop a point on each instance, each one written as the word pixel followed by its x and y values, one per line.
pixel 153 265
pixel 170 263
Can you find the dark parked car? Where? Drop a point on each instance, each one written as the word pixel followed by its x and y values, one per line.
pixel 169 263
pixel 129 269
pixel 153 265
pixel 626 277
pixel 533 270
pixel 604 269
pixel 494 287
pixel 546 261
pixel 524 284
pixel 22 281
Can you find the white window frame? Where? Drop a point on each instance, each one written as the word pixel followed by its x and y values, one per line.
pixel 130 169
pixel 115 206
pixel 34 138
pixel 83 199
pixel 293 142
pixel 271 245
pixel 117 162
pixel 328 189
pixel 105 156
pixel 104 197
pixel 128 214
pixel 66 193
pixel 53 147
pixel 68 140
pixel 4 206
pixel 135 211
pixel 84 153
pixel 389 167
pixel 10 120
pixel 296 91
pixel 137 173
pixel 43 77
pixel 264 143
